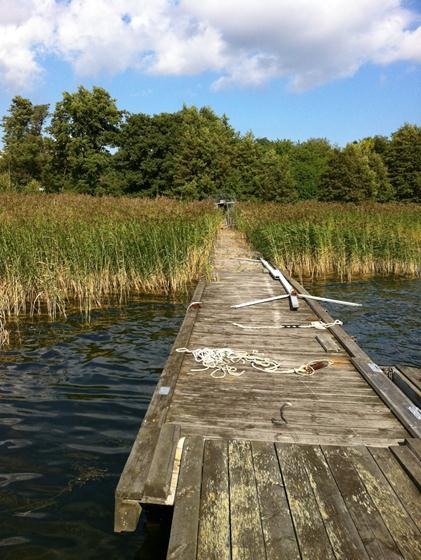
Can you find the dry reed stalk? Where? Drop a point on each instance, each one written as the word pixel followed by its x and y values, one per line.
pixel 57 249
pixel 314 239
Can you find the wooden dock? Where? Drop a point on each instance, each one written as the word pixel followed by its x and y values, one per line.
pixel 333 481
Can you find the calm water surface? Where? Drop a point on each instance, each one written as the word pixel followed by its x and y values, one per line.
pixel 72 398
pixel 388 325
pixel 71 401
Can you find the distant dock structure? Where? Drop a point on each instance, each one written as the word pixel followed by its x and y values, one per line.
pixel 288 443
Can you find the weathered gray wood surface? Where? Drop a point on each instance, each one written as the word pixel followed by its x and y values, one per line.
pixel 260 500
pixel 408 379
pixel 338 405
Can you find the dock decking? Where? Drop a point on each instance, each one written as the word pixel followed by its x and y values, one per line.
pixel 201 422
pixel 266 501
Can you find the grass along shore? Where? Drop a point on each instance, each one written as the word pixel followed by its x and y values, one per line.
pixel 61 249
pixel 314 239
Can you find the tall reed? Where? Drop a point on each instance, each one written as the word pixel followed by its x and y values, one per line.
pixel 56 249
pixel 318 239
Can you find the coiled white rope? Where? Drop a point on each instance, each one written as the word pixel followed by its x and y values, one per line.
pixel 313 325
pixel 224 361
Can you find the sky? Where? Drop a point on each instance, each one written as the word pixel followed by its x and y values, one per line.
pixel 337 69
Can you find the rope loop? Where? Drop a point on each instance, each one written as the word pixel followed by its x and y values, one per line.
pixel 224 362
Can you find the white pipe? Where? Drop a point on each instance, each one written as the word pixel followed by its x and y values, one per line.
pixel 256 301
pixel 307 296
pixel 277 274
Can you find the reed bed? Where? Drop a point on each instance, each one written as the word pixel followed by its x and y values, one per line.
pixel 313 239
pixel 61 249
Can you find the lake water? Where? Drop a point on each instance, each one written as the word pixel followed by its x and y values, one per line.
pixel 72 398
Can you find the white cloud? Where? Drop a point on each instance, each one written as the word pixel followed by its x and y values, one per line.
pixel 245 42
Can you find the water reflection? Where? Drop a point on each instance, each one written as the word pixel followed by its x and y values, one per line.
pixel 72 397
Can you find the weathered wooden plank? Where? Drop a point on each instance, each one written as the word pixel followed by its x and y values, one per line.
pixel 367 519
pixel 126 515
pixel 248 329
pixel 243 416
pixel 396 518
pixel 133 477
pixel 342 533
pixel 392 396
pixel 403 486
pixel 311 533
pixel 262 396
pixel 326 435
pixel 327 342
pixel 415 446
pixel 278 529
pixel 158 481
pixel 185 523
pixel 410 463
pixel 237 341
pixel 214 525
pixel 242 402
pixel 407 386
pixel 247 541
pixel 413 374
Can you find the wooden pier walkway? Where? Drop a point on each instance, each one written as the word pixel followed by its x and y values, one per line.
pixel 328 483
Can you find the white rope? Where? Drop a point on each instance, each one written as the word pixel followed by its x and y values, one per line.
pixel 313 325
pixel 223 362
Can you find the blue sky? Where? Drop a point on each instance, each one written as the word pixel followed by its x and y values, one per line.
pixel 279 68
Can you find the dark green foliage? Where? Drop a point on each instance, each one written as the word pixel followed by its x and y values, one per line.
pixel 92 147
pixel 309 160
pixel 205 154
pixel 349 177
pixel 24 156
pixel 384 191
pixel 84 128
pixel 147 146
pixel 275 180
pixel 403 158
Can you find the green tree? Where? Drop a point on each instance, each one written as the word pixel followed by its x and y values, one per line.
pixel 242 179
pixel 309 160
pixel 24 155
pixel 204 157
pixel 403 159
pixel 349 177
pixel 275 180
pixel 84 130
pixel 147 145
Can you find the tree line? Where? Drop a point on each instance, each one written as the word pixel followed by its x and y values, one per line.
pixel 88 145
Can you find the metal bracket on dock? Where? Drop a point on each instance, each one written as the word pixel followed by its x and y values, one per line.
pixel 277 275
